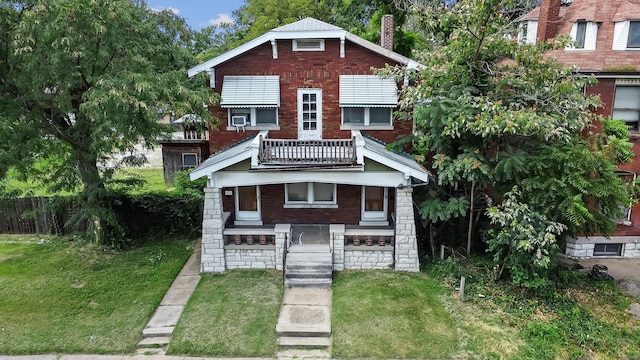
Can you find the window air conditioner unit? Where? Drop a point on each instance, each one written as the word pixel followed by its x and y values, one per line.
pixel 239 120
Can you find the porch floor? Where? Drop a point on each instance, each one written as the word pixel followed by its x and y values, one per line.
pixel 310 234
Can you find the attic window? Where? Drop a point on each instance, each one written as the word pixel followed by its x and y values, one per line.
pixel 581 31
pixel 308 45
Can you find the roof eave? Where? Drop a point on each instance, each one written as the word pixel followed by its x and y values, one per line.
pixel 290 35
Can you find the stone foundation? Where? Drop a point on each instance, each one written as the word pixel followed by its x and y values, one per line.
pixel 368 257
pixel 583 247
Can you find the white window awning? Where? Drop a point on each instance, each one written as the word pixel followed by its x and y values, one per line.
pixel 250 91
pixel 367 91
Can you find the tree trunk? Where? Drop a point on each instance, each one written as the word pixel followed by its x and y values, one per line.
pixel 95 207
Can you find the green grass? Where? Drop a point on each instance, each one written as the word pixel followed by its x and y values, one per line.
pixel 231 314
pixel 154 181
pixel 64 297
pixel 386 314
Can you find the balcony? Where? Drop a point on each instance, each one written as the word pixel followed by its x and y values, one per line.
pixel 306 152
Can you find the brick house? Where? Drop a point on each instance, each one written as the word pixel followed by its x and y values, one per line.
pixel 299 160
pixel 607 46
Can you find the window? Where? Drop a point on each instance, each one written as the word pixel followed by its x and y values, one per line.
pixel 367 100
pixel 374 205
pixel 254 116
pixel 581 31
pixel 189 160
pixel 633 41
pixel 626 106
pixel 607 250
pixel 308 45
pixel 628 178
pixel 528 32
pixel 251 100
pixel 247 203
pixel 366 116
pixel 626 35
pixel 310 195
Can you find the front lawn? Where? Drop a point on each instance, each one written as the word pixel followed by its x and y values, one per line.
pixel 67 297
pixel 232 315
pixel 389 314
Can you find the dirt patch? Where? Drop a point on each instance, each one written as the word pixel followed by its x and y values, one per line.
pixel 629 286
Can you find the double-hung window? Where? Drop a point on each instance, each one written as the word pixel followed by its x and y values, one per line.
pixel 626 104
pixel 251 101
pixel 311 194
pixel 367 102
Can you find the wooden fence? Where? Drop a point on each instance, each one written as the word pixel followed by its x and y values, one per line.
pixel 33 216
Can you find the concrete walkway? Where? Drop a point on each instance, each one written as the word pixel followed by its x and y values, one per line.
pixel 160 328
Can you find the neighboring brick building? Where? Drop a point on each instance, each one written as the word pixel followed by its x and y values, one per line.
pixel 300 157
pixel 607 46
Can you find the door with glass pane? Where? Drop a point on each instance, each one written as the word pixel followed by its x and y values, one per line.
pixel 374 203
pixel 309 114
pixel 248 203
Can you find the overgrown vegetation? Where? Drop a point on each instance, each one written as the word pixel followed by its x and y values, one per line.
pixel 62 296
pixel 574 318
pixel 231 315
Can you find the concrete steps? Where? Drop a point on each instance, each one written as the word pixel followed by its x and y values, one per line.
pixel 309 266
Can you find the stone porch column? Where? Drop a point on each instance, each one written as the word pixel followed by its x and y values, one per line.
pixel 212 259
pixel 336 232
pixel 406 246
pixel 282 234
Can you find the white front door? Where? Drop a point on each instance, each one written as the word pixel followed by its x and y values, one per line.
pixel 309 114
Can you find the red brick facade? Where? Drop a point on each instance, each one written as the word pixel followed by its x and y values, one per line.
pixel 273 209
pixel 302 69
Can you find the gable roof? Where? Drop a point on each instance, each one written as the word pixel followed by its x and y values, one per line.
pixel 308 28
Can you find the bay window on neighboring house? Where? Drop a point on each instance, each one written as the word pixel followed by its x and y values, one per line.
pixel 626 103
pixel 367 102
pixel 252 102
pixel 626 35
pixel 310 195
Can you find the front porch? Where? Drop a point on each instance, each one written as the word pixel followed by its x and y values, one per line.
pixel 226 245
pixel 265 196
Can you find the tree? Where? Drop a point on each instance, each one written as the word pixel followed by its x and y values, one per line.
pixel 492 114
pixel 83 79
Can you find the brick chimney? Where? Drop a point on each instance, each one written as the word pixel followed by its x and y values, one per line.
pixel 548 20
pixel 386 33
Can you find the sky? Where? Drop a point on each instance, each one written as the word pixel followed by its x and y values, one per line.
pixel 199 13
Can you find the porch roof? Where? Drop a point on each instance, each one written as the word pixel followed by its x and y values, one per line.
pixel 372 149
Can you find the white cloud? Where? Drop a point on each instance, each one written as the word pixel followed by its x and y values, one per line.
pixel 175 11
pixel 221 19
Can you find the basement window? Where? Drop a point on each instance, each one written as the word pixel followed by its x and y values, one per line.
pixel 607 249
pixel 308 45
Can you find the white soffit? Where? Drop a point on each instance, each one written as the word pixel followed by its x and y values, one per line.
pixel 367 91
pixel 250 91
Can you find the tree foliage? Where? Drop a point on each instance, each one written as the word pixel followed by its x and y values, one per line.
pixel 84 79
pixel 492 113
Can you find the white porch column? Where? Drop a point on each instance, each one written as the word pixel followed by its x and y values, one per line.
pixel 406 246
pixel 282 234
pixel 336 232
pixel 212 259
